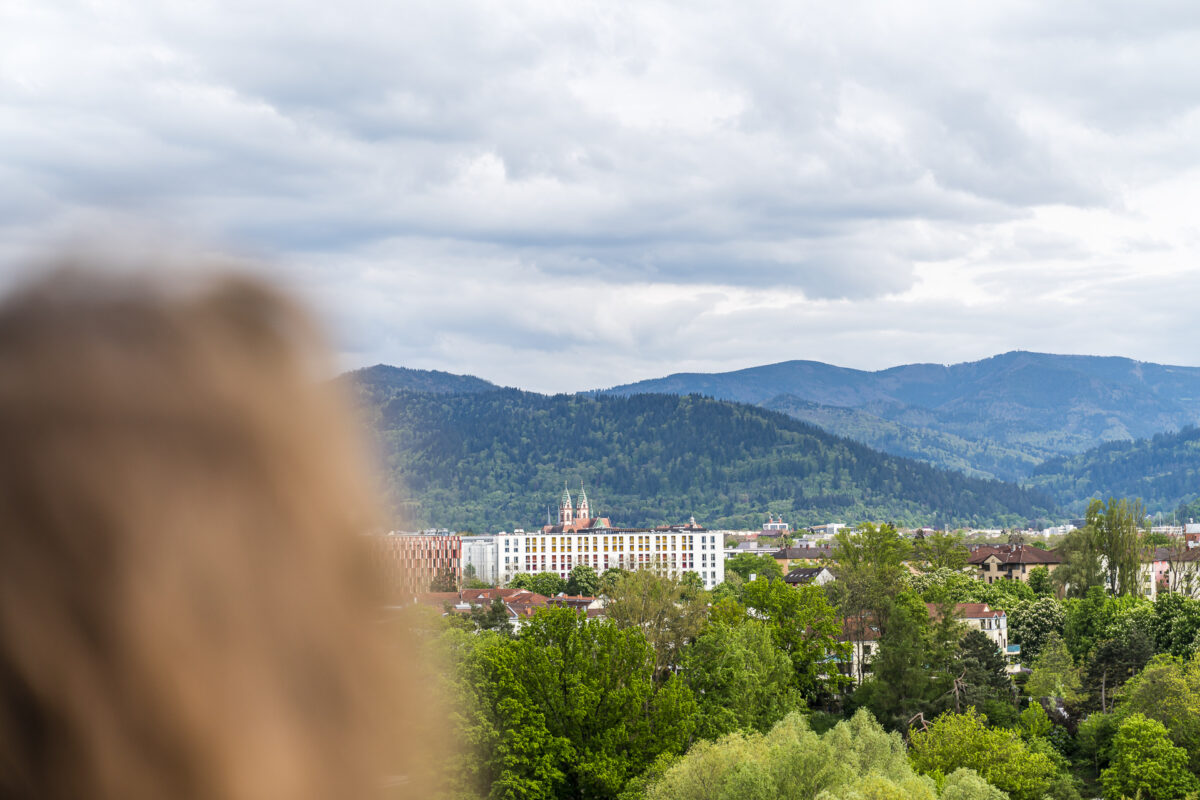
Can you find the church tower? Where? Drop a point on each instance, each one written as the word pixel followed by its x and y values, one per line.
pixel 584 511
pixel 566 514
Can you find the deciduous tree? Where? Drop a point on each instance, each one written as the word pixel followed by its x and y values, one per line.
pixel 941 550
pixel 662 609
pixel 583 580
pixel 741 680
pixel 1031 623
pixel 1146 765
pixel 759 565
pixel 870 571
pixel 856 760
pixel 1055 674
pixel 1000 756
pixel 805 627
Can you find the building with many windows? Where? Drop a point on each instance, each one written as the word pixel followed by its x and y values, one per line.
pixel 580 538
pixel 411 562
pixel 479 553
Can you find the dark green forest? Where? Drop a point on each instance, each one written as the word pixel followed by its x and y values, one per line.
pixel 997 417
pixel 1163 470
pixel 496 460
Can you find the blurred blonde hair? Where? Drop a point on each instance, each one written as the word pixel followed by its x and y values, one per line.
pixel 185 606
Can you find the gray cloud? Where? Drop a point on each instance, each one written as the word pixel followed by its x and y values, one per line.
pixel 633 187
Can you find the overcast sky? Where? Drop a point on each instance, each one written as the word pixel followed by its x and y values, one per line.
pixel 565 195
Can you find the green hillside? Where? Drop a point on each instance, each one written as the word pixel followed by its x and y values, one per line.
pixel 495 460
pixel 981 458
pixel 380 381
pixel 1163 470
pixel 996 417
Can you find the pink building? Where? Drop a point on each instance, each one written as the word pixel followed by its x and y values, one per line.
pixel 411 562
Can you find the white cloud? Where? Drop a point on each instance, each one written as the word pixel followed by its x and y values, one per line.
pixel 564 196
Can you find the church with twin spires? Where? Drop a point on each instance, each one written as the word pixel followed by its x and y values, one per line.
pixel 576 519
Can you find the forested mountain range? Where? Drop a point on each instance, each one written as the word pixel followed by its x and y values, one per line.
pixel 491 460
pixel 1163 470
pixel 381 380
pixel 999 417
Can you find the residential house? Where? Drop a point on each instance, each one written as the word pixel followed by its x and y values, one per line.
pixel 803 576
pixel 981 617
pixel 802 556
pixel 863 634
pixel 521 604
pixel 1011 561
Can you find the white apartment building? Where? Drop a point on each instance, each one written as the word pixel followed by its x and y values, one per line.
pixel 672 550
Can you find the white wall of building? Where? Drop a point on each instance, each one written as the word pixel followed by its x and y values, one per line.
pixel 480 552
pixel 673 552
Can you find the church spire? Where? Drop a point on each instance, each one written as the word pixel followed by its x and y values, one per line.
pixel 566 514
pixel 585 510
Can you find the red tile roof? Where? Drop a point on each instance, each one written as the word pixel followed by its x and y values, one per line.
pixel 968 611
pixel 1013 554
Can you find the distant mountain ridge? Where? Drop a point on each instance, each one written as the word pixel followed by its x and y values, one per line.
pixel 381 379
pixel 488 460
pixel 998 417
pixel 1163 471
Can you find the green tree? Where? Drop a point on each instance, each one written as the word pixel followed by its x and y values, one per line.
pixel 1146 765
pixel 870 571
pixel 444 581
pixel 1126 646
pixel 741 680
pixel 1082 567
pixel 1094 738
pixel 945 584
pixel 1000 756
pixel 1005 595
pixel 692 584
pixel 1117 527
pixel 609 580
pixel 941 550
pixel 1055 674
pixel 984 681
pixel 492 617
pixel 1040 581
pixel 805 627
pixel 1030 623
pixel 1175 624
pixel 546 583
pixel 1035 721
pixel 521 580
pixel 583 580
pixel 662 609
pixel 908 675
pixel 1167 690
pixel 569 709
pixel 746 564
pixel 1084 619
pixel 1106 551
pixel 856 760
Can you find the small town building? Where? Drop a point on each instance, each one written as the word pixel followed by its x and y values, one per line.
pixel 803 576
pixel 580 537
pixel 410 562
pixel 1011 561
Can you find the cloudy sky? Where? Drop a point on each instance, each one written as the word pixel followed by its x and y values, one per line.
pixel 567 195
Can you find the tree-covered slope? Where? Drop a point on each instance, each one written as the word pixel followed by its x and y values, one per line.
pixel 1163 470
pixel 1015 410
pixel 381 380
pixel 496 460
pixel 978 458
